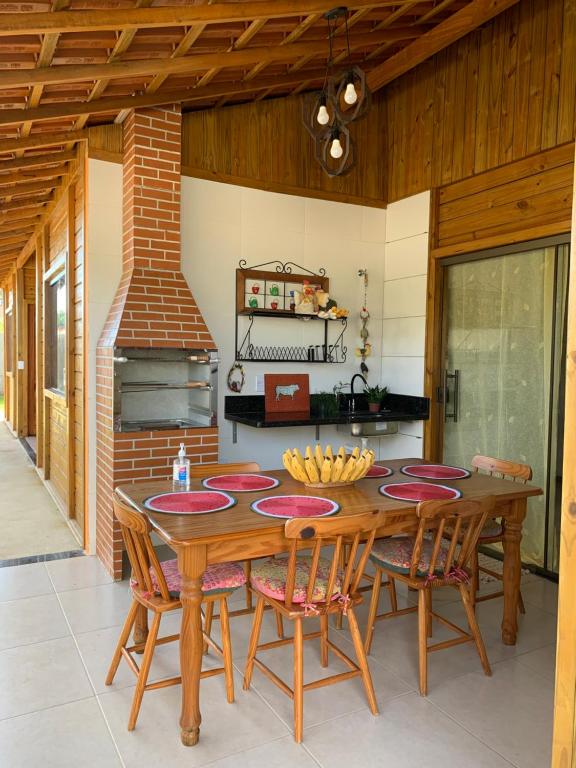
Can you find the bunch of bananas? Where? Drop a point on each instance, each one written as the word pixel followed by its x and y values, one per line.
pixel 317 466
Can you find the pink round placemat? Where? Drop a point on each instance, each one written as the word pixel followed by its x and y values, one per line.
pixel 189 502
pixel 377 470
pixel 435 471
pixel 418 491
pixel 295 506
pixel 241 483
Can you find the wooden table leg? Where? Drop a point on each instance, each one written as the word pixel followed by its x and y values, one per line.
pixel 512 570
pixel 140 633
pixel 192 564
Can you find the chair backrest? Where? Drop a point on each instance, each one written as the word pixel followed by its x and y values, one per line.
pixel 337 532
pixel 141 553
pixel 203 470
pixel 457 522
pixel 509 470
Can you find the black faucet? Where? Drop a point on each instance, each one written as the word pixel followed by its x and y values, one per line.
pixel 353 379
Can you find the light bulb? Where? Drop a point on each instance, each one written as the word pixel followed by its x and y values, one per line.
pixel 336 150
pixel 322 115
pixel 350 95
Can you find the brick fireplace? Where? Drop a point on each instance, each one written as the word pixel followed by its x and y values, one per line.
pixel 153 308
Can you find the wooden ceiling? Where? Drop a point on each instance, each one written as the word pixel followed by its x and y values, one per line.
pixel 69 64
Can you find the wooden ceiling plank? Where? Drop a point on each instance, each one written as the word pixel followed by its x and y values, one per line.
pixel 434 11
pixel 42 140
pixel 37 161
pixel 458 25
pixel 297 32
pixel 171 16
pixel 37 202
pixel 242 41
pixel 18 240
pixel 69 73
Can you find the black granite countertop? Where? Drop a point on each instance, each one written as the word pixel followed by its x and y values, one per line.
pixel 249 410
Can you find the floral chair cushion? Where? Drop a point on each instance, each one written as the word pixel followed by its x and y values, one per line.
pixel 217 578
pixel 395 553
pixel 491 530
pixel 269 578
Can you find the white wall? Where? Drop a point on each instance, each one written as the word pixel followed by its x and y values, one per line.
pixel 103 270
pixel 404 312
pixel 222 224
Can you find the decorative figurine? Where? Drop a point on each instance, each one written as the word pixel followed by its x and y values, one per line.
pixel 366 349
pixel 274 290
pixel 255 288
pixel 253 302
pixel 236 378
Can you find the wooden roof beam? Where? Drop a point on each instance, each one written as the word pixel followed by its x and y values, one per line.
pixel 40 173
pixel 57 158
pixel 71 73
pixel 33 202
pixel 41 140
pixel 28 189
pixel 15 240
pixel 458 25
pixel 116 103
pixel 150 18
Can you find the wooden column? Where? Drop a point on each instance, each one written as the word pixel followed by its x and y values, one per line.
pixel 564 742
pixel 70 342
pixel 19 424
pixel 40 244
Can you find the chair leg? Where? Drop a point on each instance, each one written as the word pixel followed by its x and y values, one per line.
pixel 362 661
pixel 474 628
pixel 428 593
pixel 227 649
pixel 298 681
pixel 392 591
pixel 475 568
pixel 324 640
pixel 423 641
pixel 208 614
pixel 248 571
pixel 521 606
pixel 123 639
pixel 279 625
pixel 342 560
pixel 144 670
pixel 254 636
pixel 373 610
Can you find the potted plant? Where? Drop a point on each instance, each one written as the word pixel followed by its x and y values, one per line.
pixel 375 395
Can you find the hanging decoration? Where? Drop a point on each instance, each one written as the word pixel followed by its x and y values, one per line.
pixel 236 378
pixel 365 350
pixel 343 99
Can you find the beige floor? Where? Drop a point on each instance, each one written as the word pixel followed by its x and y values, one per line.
pixel 30 522
pixel 59 622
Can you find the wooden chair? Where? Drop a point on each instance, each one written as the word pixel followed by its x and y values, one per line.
pixel 493 531
pixel 156 586
pixel 299 586
pixel 438 556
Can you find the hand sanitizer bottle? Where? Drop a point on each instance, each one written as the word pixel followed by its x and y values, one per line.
pixel 181 471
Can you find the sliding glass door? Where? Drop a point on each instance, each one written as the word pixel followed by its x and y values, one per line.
pixel 504 342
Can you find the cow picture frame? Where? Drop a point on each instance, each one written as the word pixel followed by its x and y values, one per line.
pixel 287 393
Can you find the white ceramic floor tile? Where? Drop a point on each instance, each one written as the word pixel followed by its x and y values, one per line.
pixel 541 593
pixel 96 607
pixel 512 711
pixel 410 732
pixel 43 675
pixel 226 728
pixel 24 581
pixel 77 572
pixel 66 736
pixel 284 753
pixel 542 661
pixel 31 620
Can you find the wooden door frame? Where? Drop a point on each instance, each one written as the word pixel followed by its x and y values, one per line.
pixel 564 739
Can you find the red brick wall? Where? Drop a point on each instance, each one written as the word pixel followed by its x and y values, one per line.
pixel 153 307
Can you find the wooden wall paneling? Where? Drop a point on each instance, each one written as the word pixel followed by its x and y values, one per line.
pixel 70 345
pixel 567 92
pixel 564 738
pixel 79 350
pixel 552 74
pixel 58 448
pixel 523 95
pixel 105 142
pixel 537 77
pixel 39 351
pixel 265 145
pixel 20 404
pixel 509 75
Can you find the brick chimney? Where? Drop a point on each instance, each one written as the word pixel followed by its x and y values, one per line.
pixel 153 307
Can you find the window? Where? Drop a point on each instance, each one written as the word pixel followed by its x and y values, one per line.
pixel 9 334
pixel 56 333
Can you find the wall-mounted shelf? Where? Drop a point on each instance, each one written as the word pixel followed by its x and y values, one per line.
pixel 273 291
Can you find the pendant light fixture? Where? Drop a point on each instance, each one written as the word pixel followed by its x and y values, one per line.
pixel 343 99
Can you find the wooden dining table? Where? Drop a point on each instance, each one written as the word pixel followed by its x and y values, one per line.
pixel 239 533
